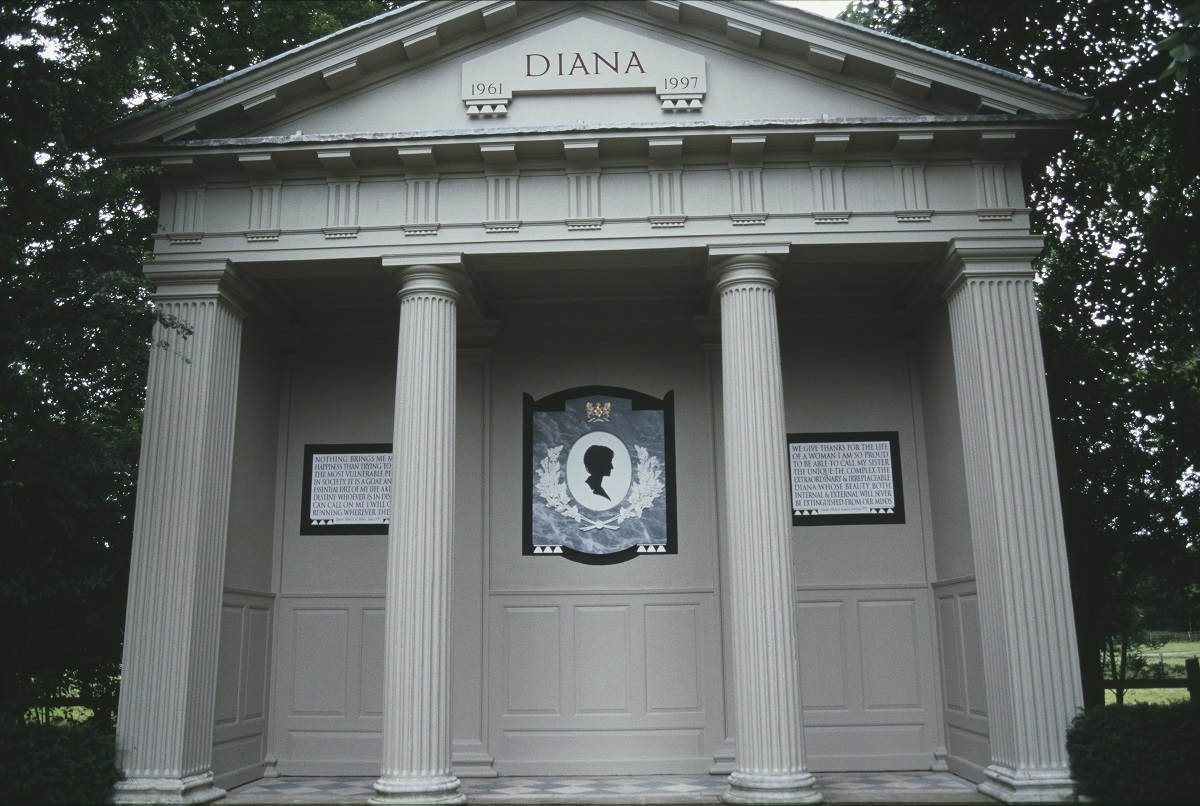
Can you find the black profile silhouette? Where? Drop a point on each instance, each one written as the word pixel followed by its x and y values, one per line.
pixel 599 463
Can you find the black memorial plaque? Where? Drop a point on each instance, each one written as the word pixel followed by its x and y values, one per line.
pixel 845 478
pixel 347 489
pixel 599 475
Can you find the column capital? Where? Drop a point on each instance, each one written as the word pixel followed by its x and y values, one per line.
pixel 435 274
pixel 182 280
pixel 1010 256
pixel 746 264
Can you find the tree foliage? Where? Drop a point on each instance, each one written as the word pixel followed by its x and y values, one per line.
pixel 1119 288
pixel 74 313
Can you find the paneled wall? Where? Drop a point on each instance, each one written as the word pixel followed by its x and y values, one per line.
pixel 243 658
pixel 565 668
pixel 868 667
pixel 595 684
pixel 868 678
pixel 604 669
pixel 240 729
pixel 328 673
pixel 329 683
pixel 328 670
pixel 965 693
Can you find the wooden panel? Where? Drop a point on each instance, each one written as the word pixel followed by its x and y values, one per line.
pixel 601 660
pixel 672 662
pixel 258 642
pixel 973 655
pixel 838 748
pixel 887 631
pixel 336 747
pixel 968 745
pixel 868 678
pixel 821 635
pixel 229 665
pixel 634 696
pixel 533 660
pixel 953 686
pixel 238 761
pixel 370 676
pixel 239 731
pixel 968 749
pixel 319 661
pixel 643 751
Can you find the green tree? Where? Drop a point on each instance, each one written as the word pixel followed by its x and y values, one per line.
pixel 1119 289
pixel 74 309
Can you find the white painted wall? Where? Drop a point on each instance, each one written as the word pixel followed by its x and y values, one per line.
pixel 559 667
pixel 868 673
pixel 243 658
pixel 328 670
pixel 968 749
pixel 604 669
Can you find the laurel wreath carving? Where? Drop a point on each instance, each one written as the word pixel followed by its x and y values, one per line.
pixel 648 487
pixel 553 491
pixel 642 493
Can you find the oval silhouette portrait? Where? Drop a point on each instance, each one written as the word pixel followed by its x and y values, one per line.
pixel 599 470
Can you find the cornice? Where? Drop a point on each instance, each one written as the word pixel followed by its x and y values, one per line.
pixel 912 138
pixel 392 43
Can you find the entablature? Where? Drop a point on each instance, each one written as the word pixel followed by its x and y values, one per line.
pixel 1022 137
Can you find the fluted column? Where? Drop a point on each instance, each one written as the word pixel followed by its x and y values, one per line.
pixel 769 761
pixel 416 764
pixel 1028 630
pixel 169 668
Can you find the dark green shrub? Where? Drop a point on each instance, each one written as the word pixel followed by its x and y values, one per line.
pixel 1136 753
pixel 62 762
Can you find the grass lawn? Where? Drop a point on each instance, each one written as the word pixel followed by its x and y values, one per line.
pixel 1154 696
pixel 1174 654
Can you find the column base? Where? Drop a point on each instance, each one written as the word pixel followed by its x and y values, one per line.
pixel 418 790
pixel 1009 786
pixel 748 788
pixel 193 789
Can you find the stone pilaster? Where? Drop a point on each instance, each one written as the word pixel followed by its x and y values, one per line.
pixel 769 764
pixel 1030 659
pixel 416 699
pixel 169 670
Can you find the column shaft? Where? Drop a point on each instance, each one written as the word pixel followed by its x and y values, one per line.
pixel 769 765
pixel 416 703
pixel 1027 624
pixel 168 678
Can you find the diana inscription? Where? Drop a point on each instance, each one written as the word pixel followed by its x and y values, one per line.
pixel 597 58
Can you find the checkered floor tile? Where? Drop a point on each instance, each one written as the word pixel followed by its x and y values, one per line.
pixel 901 787
pixel 615 790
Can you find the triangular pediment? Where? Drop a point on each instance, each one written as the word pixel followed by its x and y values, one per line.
pixel 477 68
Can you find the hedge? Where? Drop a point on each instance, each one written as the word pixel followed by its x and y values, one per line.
pixel 1136 753
pixel 62 762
